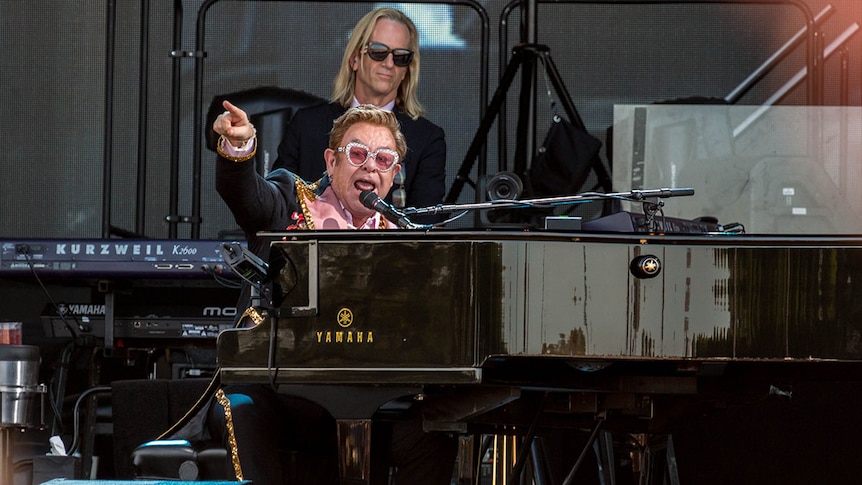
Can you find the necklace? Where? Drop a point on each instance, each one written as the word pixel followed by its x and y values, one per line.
pixel 306 191
pixel 306 195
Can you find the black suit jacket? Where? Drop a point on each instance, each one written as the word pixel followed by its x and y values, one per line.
pixel 307 137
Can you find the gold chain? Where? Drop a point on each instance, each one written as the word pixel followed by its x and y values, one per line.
pixel 306 192
pixel 231 437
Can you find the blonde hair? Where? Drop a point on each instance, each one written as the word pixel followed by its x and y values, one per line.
pixel 367 113
pixel 344 85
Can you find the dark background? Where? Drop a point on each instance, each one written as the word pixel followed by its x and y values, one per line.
pixel 98 126
pixel 74 165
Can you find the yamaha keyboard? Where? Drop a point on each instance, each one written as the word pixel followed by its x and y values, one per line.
pixel 152 315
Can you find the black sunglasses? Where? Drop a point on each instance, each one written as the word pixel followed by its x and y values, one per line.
pixel 378 52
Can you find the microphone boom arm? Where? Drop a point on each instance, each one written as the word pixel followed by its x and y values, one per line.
pixel 633 196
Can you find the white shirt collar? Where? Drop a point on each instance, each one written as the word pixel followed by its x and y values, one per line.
pixel 387 107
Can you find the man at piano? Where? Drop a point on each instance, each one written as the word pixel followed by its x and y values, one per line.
pixel 366 150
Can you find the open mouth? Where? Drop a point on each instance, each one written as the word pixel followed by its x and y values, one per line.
pixel 363 185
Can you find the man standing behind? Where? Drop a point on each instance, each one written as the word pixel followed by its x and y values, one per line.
pixel 380 66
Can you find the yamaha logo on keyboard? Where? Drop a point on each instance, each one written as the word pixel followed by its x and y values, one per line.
pixel 80 309
pixel 344 319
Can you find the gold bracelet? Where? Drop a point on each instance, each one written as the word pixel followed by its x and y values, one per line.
pixel 225 155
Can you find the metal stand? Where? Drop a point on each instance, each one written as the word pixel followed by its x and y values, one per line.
pixel 525 56
pixel 20 400
pixel 6 453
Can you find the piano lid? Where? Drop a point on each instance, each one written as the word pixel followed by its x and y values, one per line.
pixel 449 299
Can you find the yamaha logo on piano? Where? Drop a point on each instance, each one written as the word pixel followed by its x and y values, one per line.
pixel 344 319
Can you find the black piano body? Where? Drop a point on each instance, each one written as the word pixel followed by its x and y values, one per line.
pixel 507 332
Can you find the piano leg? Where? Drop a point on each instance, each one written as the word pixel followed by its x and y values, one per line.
pixel 383 450
pixel 657 458
pixel 354 450
pixel 604 448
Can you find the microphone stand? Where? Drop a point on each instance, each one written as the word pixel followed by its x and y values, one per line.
pixel 632 196
pixel 260 300
pixel 255 272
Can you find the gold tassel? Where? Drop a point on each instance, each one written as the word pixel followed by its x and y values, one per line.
pixel 231 438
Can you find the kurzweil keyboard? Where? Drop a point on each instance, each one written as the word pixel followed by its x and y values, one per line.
pixel 113 258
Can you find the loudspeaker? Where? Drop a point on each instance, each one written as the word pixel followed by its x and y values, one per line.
pixel 501 186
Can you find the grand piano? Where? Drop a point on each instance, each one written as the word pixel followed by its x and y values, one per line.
pixel 677 354
pixel 658 338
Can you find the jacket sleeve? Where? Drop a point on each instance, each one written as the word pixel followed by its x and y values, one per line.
pixel 257 203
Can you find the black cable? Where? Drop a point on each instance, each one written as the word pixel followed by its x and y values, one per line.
pixel 57 396
pixel 25 250
pixel 100 389
pixel 272 370
pixel 22 465
pixel 221 280
pixel 196 407
pixel 55 399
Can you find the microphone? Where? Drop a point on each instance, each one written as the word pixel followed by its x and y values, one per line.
pixel 662 193
pixel 372 201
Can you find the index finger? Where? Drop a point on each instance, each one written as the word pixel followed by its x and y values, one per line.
pixel 236 114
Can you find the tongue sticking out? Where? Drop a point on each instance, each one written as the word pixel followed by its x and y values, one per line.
pixel 363 185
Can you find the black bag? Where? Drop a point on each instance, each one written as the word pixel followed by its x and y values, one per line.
pixel 564 160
